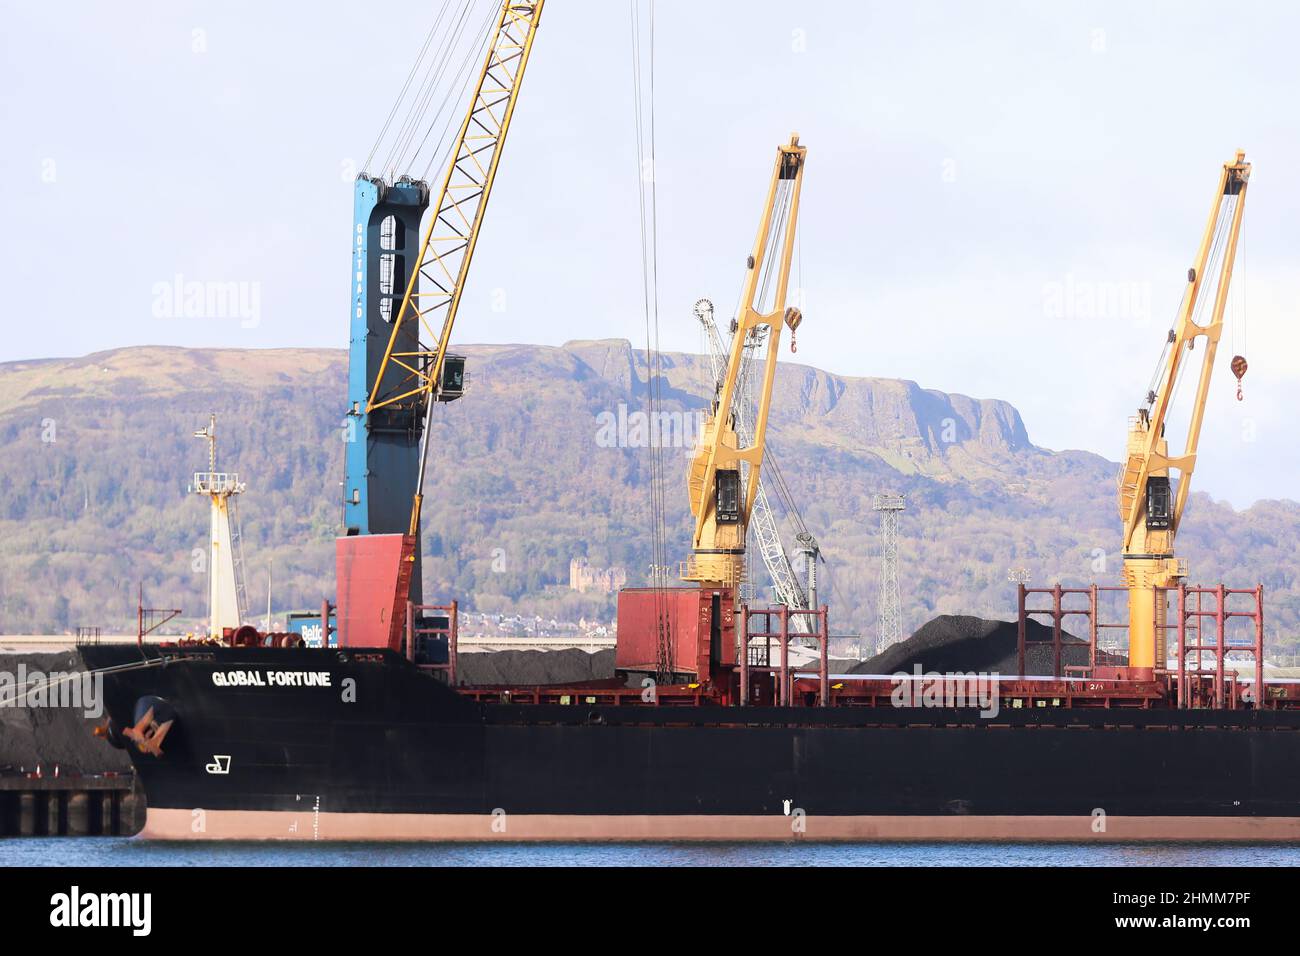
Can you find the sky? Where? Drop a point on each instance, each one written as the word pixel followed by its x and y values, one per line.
pixel 979 176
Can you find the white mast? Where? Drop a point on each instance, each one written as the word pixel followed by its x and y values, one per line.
pixel 225 564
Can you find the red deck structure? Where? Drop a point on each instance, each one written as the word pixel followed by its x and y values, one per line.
pixel 711 670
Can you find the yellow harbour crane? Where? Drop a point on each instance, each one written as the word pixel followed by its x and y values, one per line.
pixel 1150 504
pixel 721 494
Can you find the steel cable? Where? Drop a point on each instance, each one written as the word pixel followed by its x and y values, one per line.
pixel 420 104
pixel 405 86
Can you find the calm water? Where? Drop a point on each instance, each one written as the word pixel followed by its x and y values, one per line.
pixel 102 851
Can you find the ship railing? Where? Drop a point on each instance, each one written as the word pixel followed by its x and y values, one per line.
pixel 216 483
pixel 729 575
pixel 1190 616
pixel 450 631
pixel 1200 619
pixel 755 646
pixel 1057 613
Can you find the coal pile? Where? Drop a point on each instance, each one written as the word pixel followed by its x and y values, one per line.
pixel 51 736
pixel 569 666
pixel 959 642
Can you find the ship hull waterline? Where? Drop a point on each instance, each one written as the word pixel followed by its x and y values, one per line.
pixel 180 825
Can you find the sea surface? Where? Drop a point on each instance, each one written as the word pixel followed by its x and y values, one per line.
pixel 123 851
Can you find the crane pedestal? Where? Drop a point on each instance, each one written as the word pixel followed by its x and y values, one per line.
pixel 696 626
pixel 374 578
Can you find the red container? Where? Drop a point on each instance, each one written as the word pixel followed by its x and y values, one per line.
pixel 698 645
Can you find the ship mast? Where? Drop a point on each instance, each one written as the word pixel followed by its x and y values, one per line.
pixel 226 600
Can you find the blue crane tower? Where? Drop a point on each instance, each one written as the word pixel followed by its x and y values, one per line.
pixel 382 459
pixel 406 284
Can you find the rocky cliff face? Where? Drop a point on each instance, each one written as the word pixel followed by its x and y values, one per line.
pixel 898 420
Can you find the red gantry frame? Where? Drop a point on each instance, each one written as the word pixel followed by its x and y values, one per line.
pixel 1192 608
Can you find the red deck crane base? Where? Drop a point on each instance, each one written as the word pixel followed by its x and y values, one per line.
pixel 374 574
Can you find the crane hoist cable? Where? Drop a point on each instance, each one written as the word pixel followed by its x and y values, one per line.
pixel 454 94
pixel 447 55
pixel 428 40
pixel 1238 316
pixel 456 83
pixel 419 106
pixel 441 153
pixel 770 253
pixel 436 64
pixel 1213 267
pixel 644 112
pixel 798 254
pixel 1149 395
pixel 770 460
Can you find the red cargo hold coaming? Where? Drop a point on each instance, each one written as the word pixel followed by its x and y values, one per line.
pixel 698 645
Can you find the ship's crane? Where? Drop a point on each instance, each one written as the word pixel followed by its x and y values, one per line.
pixel 400 367
pixel 449 242
pixel 722 499
pixel 1150 504
pixel 788 589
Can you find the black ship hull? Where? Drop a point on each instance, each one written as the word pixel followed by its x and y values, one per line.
pixel 339 745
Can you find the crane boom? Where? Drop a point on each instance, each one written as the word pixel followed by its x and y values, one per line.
pixel 394 377
pixel 722 509
pixel 449 241
pixel 1150 508
pixel 785 582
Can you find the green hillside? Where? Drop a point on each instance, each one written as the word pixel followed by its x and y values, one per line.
pixel 524 476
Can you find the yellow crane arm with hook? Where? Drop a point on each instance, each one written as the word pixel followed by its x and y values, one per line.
pixel 453 231
pixel 719 504
pixel 1149 507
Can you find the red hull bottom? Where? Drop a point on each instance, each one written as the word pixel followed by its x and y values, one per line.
pixel 168 824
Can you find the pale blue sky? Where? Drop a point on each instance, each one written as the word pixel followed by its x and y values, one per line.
pixel 966 161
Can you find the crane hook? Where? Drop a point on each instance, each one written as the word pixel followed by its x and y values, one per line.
pixel 1238 367
pixel 792 318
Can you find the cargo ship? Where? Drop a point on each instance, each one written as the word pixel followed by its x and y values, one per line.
pixel 249 741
